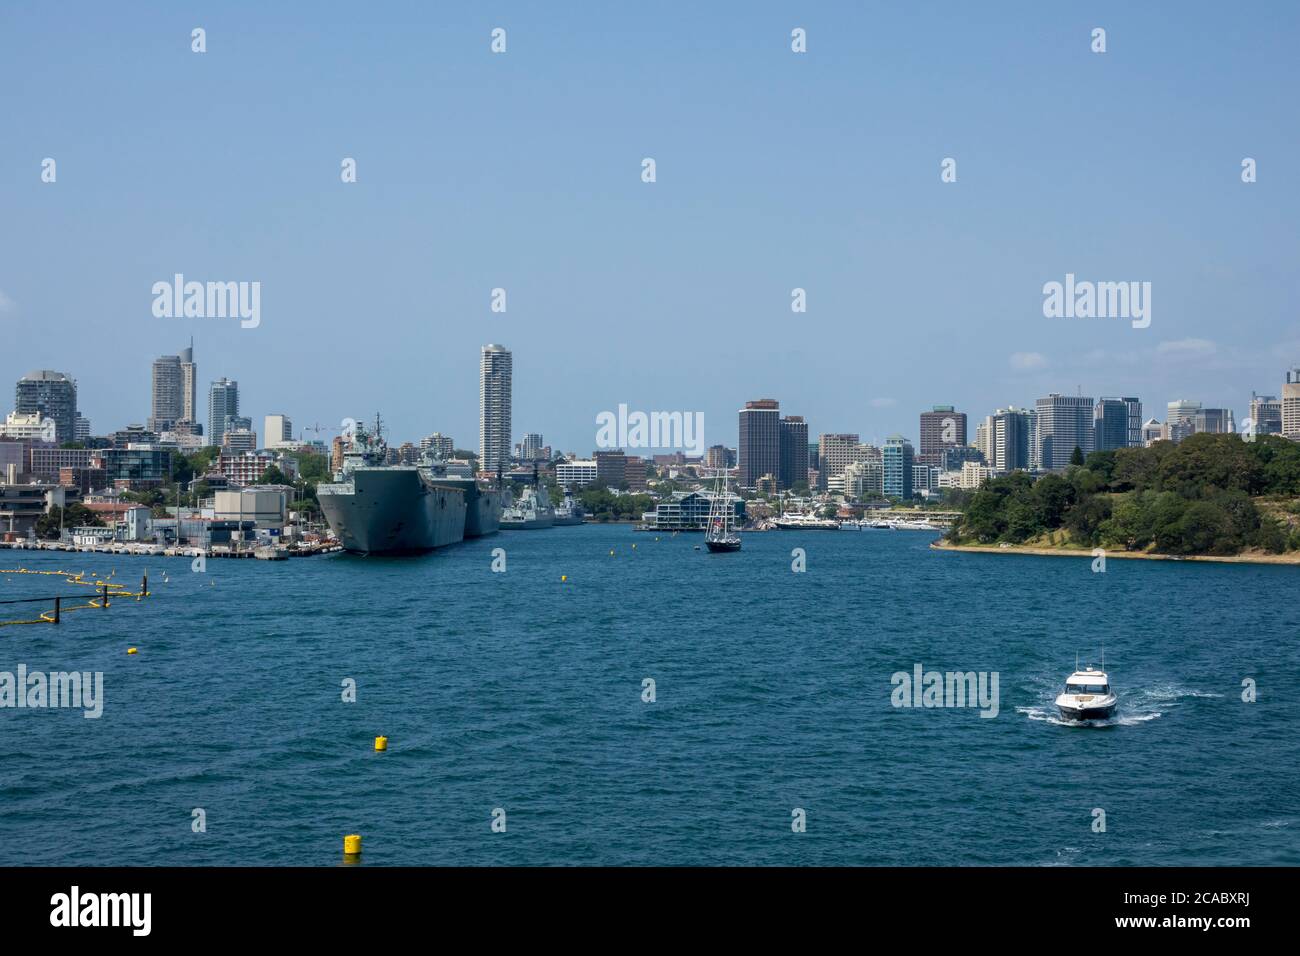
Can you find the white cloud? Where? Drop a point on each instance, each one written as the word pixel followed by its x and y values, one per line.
pixel 1028 360
pixel 883 402
pixel 1187 347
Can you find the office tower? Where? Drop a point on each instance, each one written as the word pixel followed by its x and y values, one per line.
pixel 1134 405
pixel 53 395
pixel 223 403
pixel 941 428
pixel 1217 421
pixel 1152 432
pixel 81 428
pixel 530 448
pixel 793 442
pixel 1179 421
pixel 716 457
pixel 496 372
pixel 760 441
pixel 1064 424
pixel 1111 423
pixel 896 460
pixel 1266 414
pixel 1291 405
pixel 277 431
pixel 1009 438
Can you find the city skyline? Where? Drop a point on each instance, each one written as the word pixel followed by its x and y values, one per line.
pixel 822 173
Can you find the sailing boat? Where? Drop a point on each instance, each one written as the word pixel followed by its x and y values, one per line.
pixel 720 534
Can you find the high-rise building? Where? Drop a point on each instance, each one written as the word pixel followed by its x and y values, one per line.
pixel 277 431
pixel 223 403
pixel 1217 421
pixel 716 456
pixel 836 452
pixel 1266 414
pixel 531 447
pixel 1152 432
pixel 1064 423
pixel 496 372
pixel 1134 406
pixel 941 428
pixel 1111 423
pixel 760 441
pixel 53 395
pixel 896 459
pixel 793 451
pixel 1291 405
pixel 189 384
pixel 1010 434
pixel 1180 419
pixel 166 404
pixel 81 428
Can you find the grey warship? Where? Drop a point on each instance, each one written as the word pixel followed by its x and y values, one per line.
pixel 376 508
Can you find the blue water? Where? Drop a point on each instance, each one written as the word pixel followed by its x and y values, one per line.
pixel 773 689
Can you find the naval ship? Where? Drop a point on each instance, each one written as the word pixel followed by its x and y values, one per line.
pixel 376 508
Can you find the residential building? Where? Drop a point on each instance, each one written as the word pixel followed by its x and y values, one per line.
pixel 277 432
pixel 28 427
pixel 1152 432
pixel 223 403
pixel 496 372
pixel 440 445
pixel 897 458
pixel 53 395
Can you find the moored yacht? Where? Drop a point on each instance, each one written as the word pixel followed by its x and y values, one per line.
pixel 1087 696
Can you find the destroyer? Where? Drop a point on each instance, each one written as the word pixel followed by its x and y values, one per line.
pixel 377 508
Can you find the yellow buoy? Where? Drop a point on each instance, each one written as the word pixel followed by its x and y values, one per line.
pixel 352 844
pixel 564 577
pixel 381 743
pixel 130 650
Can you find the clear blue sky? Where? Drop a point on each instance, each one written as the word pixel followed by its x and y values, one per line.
pixel 775 170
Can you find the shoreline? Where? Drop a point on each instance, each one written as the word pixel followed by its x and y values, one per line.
pixel 1292 558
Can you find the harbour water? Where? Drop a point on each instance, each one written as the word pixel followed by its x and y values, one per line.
pixel 773 690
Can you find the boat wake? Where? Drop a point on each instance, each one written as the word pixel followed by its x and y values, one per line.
pixel 1136 706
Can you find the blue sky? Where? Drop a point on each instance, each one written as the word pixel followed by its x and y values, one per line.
pixel 775 171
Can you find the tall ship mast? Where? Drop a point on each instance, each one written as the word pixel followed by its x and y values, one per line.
pixel 720 533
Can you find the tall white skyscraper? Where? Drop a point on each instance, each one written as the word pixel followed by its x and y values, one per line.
pixel 189 384
pixel 1064 423
pixel 496 370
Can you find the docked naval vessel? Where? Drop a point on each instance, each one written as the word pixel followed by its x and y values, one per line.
pixel 376 508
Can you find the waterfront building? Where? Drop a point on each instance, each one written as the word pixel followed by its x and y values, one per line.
pixel 136 467
pixel 1065 423
pixel 689 511
pixel 1291 405
pixel 793 444
pixel 760 441
pixel 247 467
pixel 897 459
pixel 1266 414
pixel 223 403
pixel 52 395
pixel 860 480
pixel 970 477
pixel 495 391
